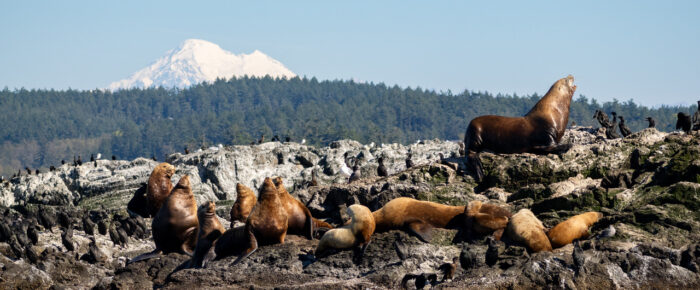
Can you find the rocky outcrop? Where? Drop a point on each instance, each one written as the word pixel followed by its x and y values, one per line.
pixel 647 186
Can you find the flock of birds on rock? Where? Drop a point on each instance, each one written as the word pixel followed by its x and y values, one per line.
pixel 684 123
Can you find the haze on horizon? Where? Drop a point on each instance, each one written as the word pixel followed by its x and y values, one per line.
pixel 646 51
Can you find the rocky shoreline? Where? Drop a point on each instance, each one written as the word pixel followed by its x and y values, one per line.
pixel 647 186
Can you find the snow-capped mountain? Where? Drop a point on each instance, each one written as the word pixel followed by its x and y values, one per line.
pixel 198 60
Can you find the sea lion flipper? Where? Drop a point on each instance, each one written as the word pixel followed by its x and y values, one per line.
pixel 210 256
pixel 422 230
pixel 252 245
pixel 309 225
pixel 146 256
pixel 475 166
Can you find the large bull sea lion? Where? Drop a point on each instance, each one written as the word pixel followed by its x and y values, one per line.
pixel 267 223
pixel 539 131
pixel 175 225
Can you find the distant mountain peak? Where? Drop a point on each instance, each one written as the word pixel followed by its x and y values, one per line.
pixel 195 61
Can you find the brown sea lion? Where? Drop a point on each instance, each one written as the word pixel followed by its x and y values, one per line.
pixel 488 218
pixel 417 217
pixel 244 203
pixel 526 229
pixel 300 221
pixel 575 227
pixel 159 186
pixel 210 229
pixel 175 225
pixel 539 131
pixel 357 233
pixel 267 223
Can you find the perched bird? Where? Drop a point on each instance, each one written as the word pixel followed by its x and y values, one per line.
pixel 611 132
pixel 356 174
pixel 114 157
pixel 606 233
pixel 381 169
pixel 33 234
pixel 683 122
pixel 67 239
pixel 492 252
pixel 652 123
pixel 187 151
pixel 92 157
pixel 29 171
pixel 275 138
pixel 95 163
pixel 75 161
pixel 80 161
pixel 467 258
pixel 88 225
pixel 63 162
pixel 37 172
pixel 602 119
pixel 52 168
pixel 449 269
pixel 154 157
pixel 578 257
pixel 262 139
pixel 624 130
pixel 409 161
pixel 314 182
pixel 303 141
pixel 344 169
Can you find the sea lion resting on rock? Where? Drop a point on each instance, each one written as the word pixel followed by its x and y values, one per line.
pixel 357 233
pixel 539 131
pixel 420 217
pixel 159 186
pixel 210 229
pixel 267 223
pixel 175 225
pixel 574 228
pixel 525 228
pixel 246 201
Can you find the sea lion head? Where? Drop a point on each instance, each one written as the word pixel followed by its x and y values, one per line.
pixel 166 169
pixel 243 190
pixel 268 188
pixel 206 209
pixel 184 183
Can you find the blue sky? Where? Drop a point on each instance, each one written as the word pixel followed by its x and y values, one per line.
pixel 648 51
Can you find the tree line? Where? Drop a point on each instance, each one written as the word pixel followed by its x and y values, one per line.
pixel 42 127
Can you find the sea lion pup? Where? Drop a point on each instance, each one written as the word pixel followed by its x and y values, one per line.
pixel 357 233
pixel 539 131
pixel 175 225
pixel 244 204
pixel 683 122
pixel 267 223
pixel 487 218
pixel 417 217
pixel 652 123
pixel 210 229
pixel 576 227
pixel 525 228
pixel 159 186
pixel 299 219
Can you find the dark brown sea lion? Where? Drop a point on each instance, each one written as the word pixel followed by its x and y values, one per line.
pixel 244 204
pixel 210 229
pixel 159 186
pixel 175 225
pixel 267 223
pixel 539 131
